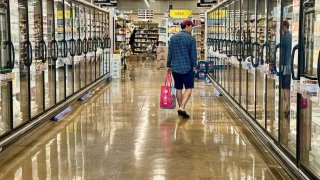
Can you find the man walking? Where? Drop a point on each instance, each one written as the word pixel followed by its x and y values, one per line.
pixel 182 62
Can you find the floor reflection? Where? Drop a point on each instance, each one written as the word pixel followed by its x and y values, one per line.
pixel 121 133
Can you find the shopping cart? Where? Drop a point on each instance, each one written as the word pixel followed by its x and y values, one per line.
pixel 150 53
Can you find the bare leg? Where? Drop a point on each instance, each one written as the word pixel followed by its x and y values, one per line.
pixel 179 97
pixel 185 98
pixel 286 100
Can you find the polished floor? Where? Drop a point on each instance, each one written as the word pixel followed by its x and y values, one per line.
pixel 121 133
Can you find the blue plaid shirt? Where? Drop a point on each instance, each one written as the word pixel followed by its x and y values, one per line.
pixel 182 55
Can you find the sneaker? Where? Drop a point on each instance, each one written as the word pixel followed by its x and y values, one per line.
pixel 183 114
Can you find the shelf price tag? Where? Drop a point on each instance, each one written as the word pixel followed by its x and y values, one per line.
pixel 180 14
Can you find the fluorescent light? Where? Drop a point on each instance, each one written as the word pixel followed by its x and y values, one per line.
pixel 147 3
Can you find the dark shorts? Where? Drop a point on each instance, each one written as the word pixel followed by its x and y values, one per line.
pixel 186 80
pixel 286 81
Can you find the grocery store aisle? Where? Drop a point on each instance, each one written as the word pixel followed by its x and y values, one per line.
pixel 120 133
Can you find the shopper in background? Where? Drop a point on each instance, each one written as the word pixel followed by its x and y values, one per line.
pixel 286 42
pixel 125 53
pixel 132 40
pixel 182 62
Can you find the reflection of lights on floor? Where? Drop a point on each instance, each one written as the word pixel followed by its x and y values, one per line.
pixel 158 177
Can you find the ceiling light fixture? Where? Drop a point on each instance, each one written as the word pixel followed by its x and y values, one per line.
pixel 147 3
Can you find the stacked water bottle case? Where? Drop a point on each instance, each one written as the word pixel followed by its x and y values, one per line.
pixel 202 68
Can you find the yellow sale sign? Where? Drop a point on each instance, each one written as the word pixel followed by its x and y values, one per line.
pixel 219 14
pixel 180 13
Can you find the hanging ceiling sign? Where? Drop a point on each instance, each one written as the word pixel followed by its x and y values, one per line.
pixel 204 5
pixel 175 13
pixel 145 13
pixel 208 1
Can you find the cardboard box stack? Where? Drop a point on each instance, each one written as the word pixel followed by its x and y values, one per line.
pixel 162 55
pixel 116 66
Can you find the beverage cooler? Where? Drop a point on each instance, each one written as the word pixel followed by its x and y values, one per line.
pixel 51 51
pixel 266 56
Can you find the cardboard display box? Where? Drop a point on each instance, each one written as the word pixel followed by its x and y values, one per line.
pixel 162 57
pixel 161 64
pixel 134 57
pixel 162 49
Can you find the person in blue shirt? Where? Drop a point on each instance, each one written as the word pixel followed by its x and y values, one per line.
pixel 182 62
pixel 286 42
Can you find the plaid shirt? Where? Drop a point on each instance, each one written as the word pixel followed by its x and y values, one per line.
pixel 182 55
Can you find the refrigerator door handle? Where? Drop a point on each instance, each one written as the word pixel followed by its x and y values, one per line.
pixel 99 44
pixel 240 51
pixel 105 42
pixel 28 61
pixel 65 48
pixel 208 41
pixel 255 48
pixel 79 47
pixel 318 69
pixel 296 47
pixel 44 51
pixel 109 42
pixel 228 48
pixel 89 44
pixel 85 46
pixel 12 57
pixel 233 48
pixel 220 45
pixel 73 47
pixel 95 44
pixel 54 56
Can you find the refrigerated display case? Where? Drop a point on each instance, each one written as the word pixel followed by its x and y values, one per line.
pixel 42 59
pixel 271 57
pixel 7 63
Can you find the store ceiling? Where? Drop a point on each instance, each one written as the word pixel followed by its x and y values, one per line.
pixel 119 3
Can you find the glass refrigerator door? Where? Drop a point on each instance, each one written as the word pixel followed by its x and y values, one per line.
pixel 237 71
pixel 103 42
pixel 6 65
pixel 44 54
pixel 81 43
pixel 108 43
pixel 288 106
pixel 90 55
pixel 251 70
pixel 272 92
pixel 310 102
pixel 233 41
pixel 20 82
pixel 260 75
pixel 229 39
pixel 69 56
pixel 50 75
pixel 95 42
pixel 244 74
pixel 62 49
pixel 99 44
pixel 76 52
pixel 37 67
